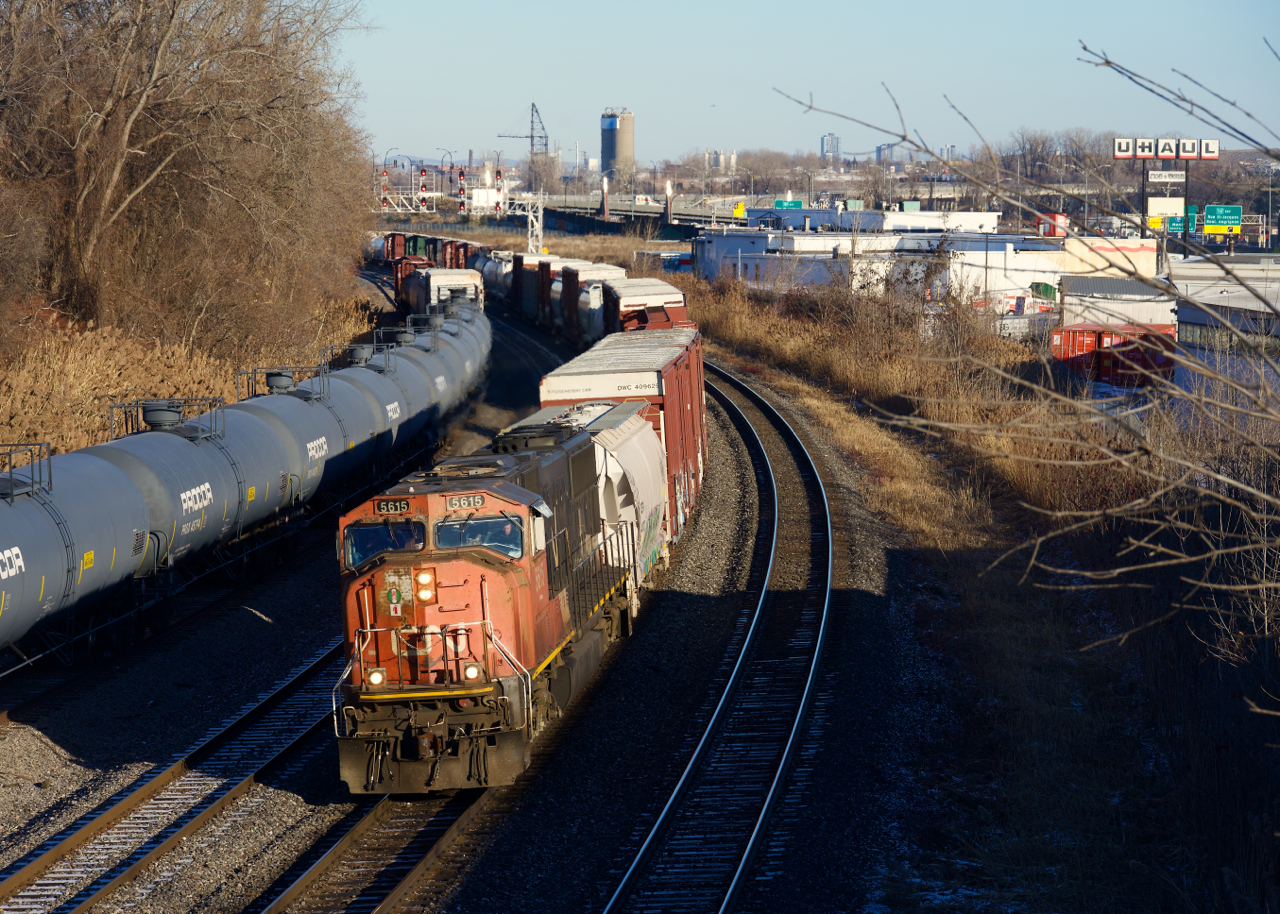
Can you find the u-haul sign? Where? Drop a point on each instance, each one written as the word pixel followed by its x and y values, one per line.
pixel 601 386
pixel 1163 148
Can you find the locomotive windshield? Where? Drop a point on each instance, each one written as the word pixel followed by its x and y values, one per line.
pixel 362 542
pixel 501 534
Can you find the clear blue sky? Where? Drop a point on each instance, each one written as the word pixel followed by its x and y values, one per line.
pixel 701 74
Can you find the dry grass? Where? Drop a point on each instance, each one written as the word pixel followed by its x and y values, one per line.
pixel 905 484
pixel 868 352
pixel 60 388
pixel 1050 795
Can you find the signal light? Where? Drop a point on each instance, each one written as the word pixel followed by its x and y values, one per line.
pixel 498 175
pixel 462 175
pixel 462 208
pixel 384 174
pixel 385 202
pixel 424 172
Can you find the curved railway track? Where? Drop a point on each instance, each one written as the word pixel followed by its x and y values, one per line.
pixel 699 852
pixel 103 851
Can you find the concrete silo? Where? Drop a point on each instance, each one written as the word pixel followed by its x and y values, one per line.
pixel 617 140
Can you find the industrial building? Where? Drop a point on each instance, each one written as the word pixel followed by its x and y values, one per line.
pixel 1208 298
pixel 820 219
pixel 719 160
pixel 1000 269
pixel 1113 301
pixel 617 140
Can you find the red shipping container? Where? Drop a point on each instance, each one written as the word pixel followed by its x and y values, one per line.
pixel 1123 356
pixel 393 247
pixel 664 368
pixel 1128 355
pixel 401 270
pixel 1074 346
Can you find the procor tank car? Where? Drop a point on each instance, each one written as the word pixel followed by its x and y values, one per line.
pixel 74 527
pixel 479 597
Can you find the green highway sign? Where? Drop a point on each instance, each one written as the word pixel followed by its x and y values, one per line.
pixel 790 204
pixel 1222 215
pixel 1176 225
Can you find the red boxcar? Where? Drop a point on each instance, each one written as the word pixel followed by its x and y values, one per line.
pixel 663 367
pixel 1123 356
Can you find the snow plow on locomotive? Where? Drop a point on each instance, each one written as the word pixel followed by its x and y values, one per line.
pixel 480 596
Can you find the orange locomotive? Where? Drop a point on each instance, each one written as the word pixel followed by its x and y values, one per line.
pixel 481 595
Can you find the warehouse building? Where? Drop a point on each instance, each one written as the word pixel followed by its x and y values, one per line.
pixel 1010 272
pixel 1113 300
pixel 1209 298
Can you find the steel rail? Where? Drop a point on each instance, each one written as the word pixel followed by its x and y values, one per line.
pixel 665 817
pixel 36 866
pixel 333 859
pixel 735 861
pixel 776 788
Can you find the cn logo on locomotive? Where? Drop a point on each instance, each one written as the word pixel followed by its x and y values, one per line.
pixel 11 563
pixel 197 498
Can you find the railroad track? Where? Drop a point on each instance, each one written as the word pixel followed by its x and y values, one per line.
pixel 382 857
pixel 699 853
pixel 103 851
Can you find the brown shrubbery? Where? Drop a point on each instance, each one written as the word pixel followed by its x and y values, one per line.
pixel 61 387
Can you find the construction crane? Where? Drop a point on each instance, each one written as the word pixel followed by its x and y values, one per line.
pixel 537 135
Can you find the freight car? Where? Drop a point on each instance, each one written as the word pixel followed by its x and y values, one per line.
pixel 479 597
pixel 77 526
pixel 1123 356
pixel 435 287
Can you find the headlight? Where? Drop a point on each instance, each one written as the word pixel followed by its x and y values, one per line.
pixel 377 677
pixel 424 577
pixel 471 671
pixel 425 594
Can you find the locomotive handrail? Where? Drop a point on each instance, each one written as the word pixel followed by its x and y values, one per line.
pixel 41 475
pixel 516 665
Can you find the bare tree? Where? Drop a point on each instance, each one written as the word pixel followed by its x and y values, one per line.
pixel 145 112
